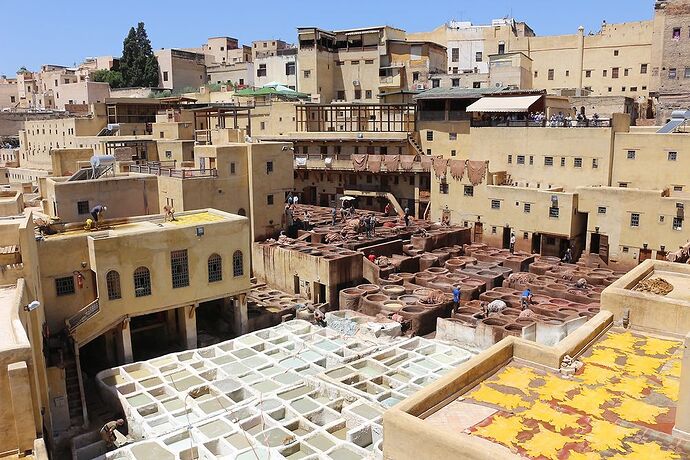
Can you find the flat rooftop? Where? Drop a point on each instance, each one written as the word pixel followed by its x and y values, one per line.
pixel 138 225
pixel 620 404
pixel 291 391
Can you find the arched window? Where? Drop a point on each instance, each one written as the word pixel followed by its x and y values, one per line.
pixel 242 212
pixel 112 281
pixel 142 282
pixel 237 265
pixel 215 268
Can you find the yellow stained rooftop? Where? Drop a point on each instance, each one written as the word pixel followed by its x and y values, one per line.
pixel 150 223
pixel 620 405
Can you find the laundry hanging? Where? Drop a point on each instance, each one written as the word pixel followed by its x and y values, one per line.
pixel 476 171
pixel 457 169
pixel 407 162
pixel 426 163
pixel 359 162
pixel 374 163
pixel 440 166
pixel 392 162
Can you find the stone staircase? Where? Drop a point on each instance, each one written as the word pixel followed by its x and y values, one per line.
pixel 76 411
pixel 415 145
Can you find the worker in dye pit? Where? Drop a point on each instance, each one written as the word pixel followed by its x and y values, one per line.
pixel 456 297
pixel 387 209
pixel 334 215
pixel 512 242
pixel 407 217
pixel 97 212
pixel 372 224
pixel 108 432
pixel 568 256
pixel 290 199
pixel 581 283
pixel 319 317
pixel 526 298
pixel 372 257
pixel 295 200
pixel 497 306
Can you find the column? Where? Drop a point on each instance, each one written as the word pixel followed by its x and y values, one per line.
pixel 241 315
pixel 170 325
pixel 22 405
pixel 682 427
pixel 124 343
pixel 187 323
pixel 416 196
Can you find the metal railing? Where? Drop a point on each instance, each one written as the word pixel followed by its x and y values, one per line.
pixel 505 123
pixel 171 172
pixel 82 316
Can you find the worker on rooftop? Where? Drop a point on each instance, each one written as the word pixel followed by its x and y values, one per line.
pixel 169 213
pixel 96 212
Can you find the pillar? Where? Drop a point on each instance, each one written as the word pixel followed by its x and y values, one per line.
pixel 241 315
pixel 581 55
pixel 187 322
pixel 124 343
pixel 22 405
pixel 110 348
pixel 170 325
pixel 682 427
pixel 416 179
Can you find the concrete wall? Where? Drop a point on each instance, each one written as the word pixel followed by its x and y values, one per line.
pixel 125 196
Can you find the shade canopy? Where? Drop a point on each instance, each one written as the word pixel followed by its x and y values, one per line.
pixel 504 104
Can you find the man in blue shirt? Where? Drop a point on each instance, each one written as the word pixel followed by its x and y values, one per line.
pixel 456 297
pixel 526 299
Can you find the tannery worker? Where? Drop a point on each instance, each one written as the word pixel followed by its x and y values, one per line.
pixel 526 298
pixel 108 432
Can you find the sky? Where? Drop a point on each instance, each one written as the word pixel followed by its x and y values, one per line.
pixel 65 32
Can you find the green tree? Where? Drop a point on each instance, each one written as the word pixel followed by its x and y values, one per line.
pixel 112 77
pixel 138 64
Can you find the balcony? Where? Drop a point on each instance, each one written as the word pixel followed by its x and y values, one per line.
pixel 342 162
pixel 390 81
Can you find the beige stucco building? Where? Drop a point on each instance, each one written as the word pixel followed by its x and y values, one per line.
pixel 359 64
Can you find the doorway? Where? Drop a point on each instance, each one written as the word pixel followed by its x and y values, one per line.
pixel 506 237
pixel 536 243
pixel 644 255
pixel 599 244
pixel 478 232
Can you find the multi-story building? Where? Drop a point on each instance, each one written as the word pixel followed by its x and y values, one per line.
pixel 359 64
pixel 671 68
pixel 181 69
pixel 274 62
pixel 9 92
pixel 599 187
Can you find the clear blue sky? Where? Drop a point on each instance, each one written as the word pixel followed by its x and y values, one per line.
pixel 64 32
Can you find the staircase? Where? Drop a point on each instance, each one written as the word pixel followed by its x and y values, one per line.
pixel 76 411
pixel 415 145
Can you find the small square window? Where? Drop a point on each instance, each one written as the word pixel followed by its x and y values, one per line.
pixel 510 159
pixel 553 212
pixel 269 167
pixel 588 74
pixel 615 52
pixel 626 249
pixel 677 223
pixel 672 156
pixel 495 204
pixel 468 190
pixel 531 159
pixel 521 159
pixel 601 210
pixel 527 207
pixel 623 184
pixel 643 68
pixel 453 153
pixel 677 188
pixel 595 163
pixel 548 161
pixel 443 187
pixel 269 199
pixel 550 74
pixel 429 135
pixel 631 154
pixel 232 168
pixel 82 207
pixel 64 285
pixel 634 219
pixel 452 136
pixel 577 162
pixel 672 73
pixel 494 230
pixel 662 219
pixel 562 161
